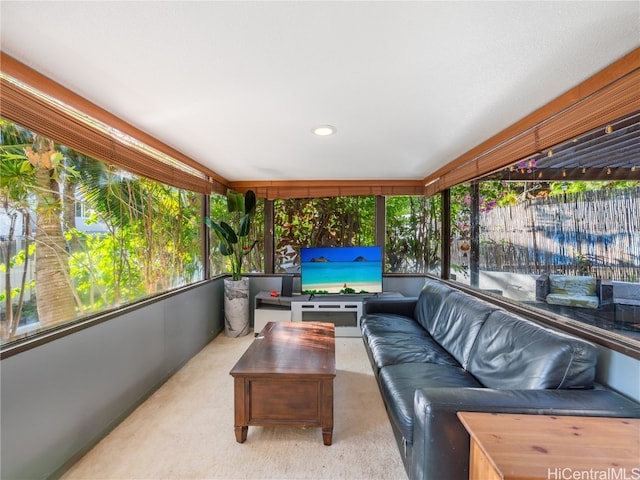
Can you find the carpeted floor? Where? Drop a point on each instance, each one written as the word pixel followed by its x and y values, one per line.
pixel 185 429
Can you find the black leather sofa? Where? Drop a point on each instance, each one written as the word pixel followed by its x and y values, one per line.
pixel 448 351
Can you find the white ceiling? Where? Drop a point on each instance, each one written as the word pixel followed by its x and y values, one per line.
pixel 237 86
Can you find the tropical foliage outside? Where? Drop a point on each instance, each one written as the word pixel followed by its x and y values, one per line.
pixel 413 234
pixel 138 237
pixel 327 222
pixel 413 228
pixel 253 259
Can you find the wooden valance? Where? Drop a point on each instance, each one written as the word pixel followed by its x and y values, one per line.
pixel 47 108
pixel 273 190
pixel 607 96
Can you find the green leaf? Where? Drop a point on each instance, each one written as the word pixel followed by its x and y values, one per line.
pixel 230 235
pixel 25 167
pixel 249 202
pixel 220 232
pixel 225 249
pixel 235 201
pixel 56 158
pixel 245 225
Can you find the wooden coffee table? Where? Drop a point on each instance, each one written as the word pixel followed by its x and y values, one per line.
pixel 285 378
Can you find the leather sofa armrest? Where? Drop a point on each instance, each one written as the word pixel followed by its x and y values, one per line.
pixel 398 305
pixel 441 443
pixel 543 287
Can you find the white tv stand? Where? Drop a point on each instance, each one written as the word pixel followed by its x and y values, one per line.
pixel 344 311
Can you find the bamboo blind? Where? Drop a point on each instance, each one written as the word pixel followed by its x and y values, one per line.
pixel 329 188
pixel 610 94
pixel 607 96
pixel 51 119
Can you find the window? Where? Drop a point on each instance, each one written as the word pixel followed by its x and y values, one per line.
pixel 254 262
pixel 412 237
pixel 413 234
pixel 335 221
pixel 562 222
pixel 137 238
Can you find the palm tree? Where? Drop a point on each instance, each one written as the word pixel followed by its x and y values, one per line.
pixel 150 242
pixel 30 167
pixel 55 295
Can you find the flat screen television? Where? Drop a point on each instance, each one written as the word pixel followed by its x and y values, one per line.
pixel 341 269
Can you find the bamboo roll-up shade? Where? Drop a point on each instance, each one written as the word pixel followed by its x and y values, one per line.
pixel 36 102
pixel 20 106
pixel 607 96
pixel 33 113
pixel 326 188
pixel 618 100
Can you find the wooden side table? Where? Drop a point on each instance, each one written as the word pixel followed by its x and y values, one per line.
pixel 549 447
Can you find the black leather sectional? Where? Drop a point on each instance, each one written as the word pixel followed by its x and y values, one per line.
pixel 448 351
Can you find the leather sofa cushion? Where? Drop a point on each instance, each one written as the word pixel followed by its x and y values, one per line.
pixel 398 384
pixel 382 324
pixel 430 302
pixel 461 318
pixel 514 353
pixel 405 306
pixel 394 348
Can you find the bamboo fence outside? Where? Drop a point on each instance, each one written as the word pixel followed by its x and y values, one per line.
pixel 593 233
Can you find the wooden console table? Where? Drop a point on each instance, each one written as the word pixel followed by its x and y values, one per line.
pixel 528 447
pixel 285 378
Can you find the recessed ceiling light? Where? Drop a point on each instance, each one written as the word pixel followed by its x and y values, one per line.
pixel 323 130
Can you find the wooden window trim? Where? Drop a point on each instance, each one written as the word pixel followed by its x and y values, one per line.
pixel 283 189
pixel 25 98
pixel 610 94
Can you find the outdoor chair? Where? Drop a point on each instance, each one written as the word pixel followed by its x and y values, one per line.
pixel 575 291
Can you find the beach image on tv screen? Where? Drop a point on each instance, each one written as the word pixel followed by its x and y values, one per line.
pixel 341 269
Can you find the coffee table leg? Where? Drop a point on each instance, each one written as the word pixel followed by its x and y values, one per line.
pixel 326 411
pixel 241 433
pixel 327 435
pixel 240 408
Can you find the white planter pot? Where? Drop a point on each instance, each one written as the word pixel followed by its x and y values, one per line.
pixel 236 307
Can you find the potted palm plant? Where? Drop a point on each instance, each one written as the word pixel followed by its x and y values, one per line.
pixel 234 242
